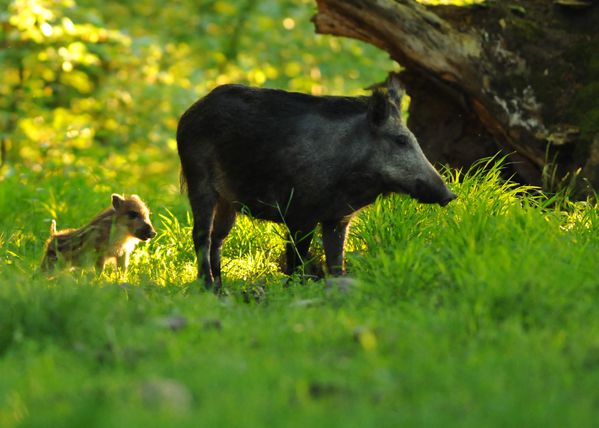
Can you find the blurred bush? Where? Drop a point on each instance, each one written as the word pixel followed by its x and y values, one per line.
pixel 89 80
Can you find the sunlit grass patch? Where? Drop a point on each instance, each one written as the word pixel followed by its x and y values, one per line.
pixel 483 310
pixel 478 242
pixel 253 250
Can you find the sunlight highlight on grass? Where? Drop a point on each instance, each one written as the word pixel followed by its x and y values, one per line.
pixel 493 296
pixel 253 250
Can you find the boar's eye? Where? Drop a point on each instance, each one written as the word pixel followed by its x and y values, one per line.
pixel 400 140
pixel 132 214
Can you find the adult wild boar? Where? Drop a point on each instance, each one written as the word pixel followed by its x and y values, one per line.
pixel 298 159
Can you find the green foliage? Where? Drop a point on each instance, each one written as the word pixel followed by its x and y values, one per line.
pixel 480 313
pixel 77 75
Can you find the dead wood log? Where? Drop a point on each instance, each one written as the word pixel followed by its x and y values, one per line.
pixel 517 77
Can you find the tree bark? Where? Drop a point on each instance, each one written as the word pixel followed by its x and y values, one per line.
pixel 517 77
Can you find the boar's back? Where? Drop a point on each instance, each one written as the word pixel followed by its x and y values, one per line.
pixel 276 152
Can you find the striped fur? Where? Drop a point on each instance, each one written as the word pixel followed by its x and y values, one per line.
pixel 111 235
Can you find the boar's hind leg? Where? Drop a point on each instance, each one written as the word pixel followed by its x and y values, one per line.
pixel 333 241
pixel 203 206
pixel 297 247
pixel 224 219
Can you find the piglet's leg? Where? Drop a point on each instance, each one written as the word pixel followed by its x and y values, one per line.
pixel 100 265
pixel 122 261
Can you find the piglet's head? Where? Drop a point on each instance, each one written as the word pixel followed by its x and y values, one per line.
pixel 134 215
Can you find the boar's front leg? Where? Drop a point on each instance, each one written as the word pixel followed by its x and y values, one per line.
pixel 333 241
pixel 203 206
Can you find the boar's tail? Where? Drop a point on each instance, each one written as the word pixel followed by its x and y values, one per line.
pixel 182 182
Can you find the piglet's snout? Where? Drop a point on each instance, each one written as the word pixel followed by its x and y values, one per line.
pixel 147 233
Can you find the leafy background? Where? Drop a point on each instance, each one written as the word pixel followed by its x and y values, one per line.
pixel 77 75
pixel 483 313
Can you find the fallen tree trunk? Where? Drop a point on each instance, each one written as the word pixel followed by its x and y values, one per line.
pixel 521 78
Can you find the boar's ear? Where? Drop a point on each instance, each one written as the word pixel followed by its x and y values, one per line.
pixel 395 91
pixel 117 200
pixel 378 110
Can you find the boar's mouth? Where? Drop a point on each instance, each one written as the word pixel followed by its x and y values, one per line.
pixel 438 193
pixel 450 197
pixel 428 198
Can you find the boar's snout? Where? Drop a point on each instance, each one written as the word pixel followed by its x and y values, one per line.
pixel 450 197
pixel 433 193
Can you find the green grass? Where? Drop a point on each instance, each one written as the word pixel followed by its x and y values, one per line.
pixel 483 313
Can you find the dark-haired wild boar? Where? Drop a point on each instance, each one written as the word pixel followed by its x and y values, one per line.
pixel 298 159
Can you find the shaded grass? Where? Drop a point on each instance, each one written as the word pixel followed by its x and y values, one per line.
pixel 483 313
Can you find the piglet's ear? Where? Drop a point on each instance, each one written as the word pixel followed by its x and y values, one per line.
pixel 117 200
pixel 378 110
